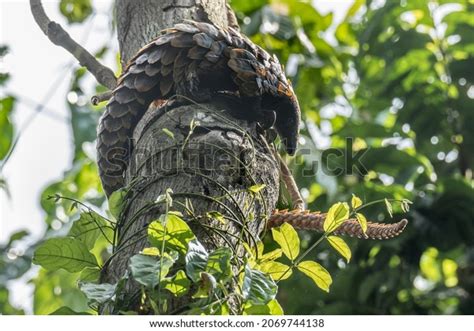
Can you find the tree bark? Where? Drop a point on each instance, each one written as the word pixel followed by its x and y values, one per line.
pixel 208 169
pixel 138 22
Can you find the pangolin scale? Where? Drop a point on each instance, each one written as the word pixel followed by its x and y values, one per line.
pixel 193 59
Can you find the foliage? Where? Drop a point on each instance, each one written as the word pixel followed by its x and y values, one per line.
pixel 396 80
pixel 175 264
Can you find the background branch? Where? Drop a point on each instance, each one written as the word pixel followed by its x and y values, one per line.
pixel 60 37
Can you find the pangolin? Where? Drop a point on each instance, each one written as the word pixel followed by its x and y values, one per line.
pixel 197 59
pixel 194 59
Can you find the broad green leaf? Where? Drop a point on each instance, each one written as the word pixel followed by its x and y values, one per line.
pixel 340 245
pixel 317 273
pixel 196 260
pixel 98 293
pixel 356 202
pixel 256 188
pixel 251 251
pixel 275 308
pixel 67 311
pixel 178 284
pixel 176 233
pixel 278 271
pixel 258 288
pixel 90 275
pixel 344 33
pixel 336 215
pixel 88 228
pixel 260 248
pixel 362 221
pixel 389 207
pixel 221 309
pixel 207 286
pixel 148 270
pixel 288 240
pixel 152 251
pixel 218 263
pixel 116 202
pixel 271 308
pixel 64 253
pixel 47 298
pixel 246 6
pixel 270 256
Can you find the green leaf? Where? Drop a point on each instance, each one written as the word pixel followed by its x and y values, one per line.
pixel 76 11
pixel 389 207
pixel 355 7
pixel 152 251
pixel 356 202
pixel 196 260
pixel 178 285
pixel 340 245
pixel 175 232
pixel 270 256
pixel 88 228
pixel 168 133
pixel 278 271
pixel 17 236
pixel 288 240
pixel 218 264
pixel 6 126
pixel 207 286
pixel 64 253
pixel 317 273
pixel 116 202
pixel 148 270
pixel 67 311
pixel 258 288
pixel 406 205
pixel 90 275
pixel 47 298
pixel 256 188
pixel 362 221
pixel 336 215
pixel 98 293
pixel 271 308
pixel 246 6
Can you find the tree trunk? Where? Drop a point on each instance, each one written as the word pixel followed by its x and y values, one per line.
pixel 209 161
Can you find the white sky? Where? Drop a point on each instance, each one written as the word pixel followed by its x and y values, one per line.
pixel 44 151
pixel 45 148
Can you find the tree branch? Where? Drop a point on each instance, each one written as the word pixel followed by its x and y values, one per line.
pixel 96 99
pixel 60 37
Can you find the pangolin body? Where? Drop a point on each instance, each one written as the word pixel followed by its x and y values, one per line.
pixel 194 59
